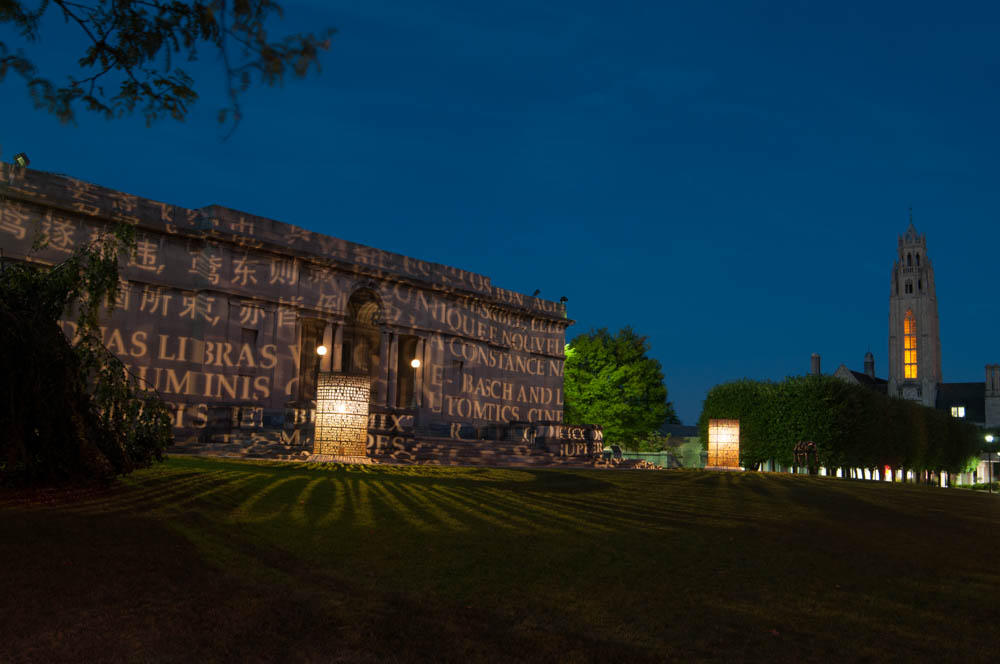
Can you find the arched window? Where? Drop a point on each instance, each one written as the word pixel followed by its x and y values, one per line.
pixel 918 260
pixel 909 345
pixel 920 285
pixel 909 260
pixel 909 287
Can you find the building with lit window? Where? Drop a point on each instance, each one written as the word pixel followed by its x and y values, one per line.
pixel 915 345
pixel 271 340
pixel 915 350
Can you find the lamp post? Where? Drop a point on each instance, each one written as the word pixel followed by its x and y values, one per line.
pixel 989 460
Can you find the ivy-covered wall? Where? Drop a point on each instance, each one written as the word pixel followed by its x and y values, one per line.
pixel 852 426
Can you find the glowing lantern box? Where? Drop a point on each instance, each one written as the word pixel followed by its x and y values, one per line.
pixel 724 444
pixel 342 415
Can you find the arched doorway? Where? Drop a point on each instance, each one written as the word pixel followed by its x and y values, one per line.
pixel 361 350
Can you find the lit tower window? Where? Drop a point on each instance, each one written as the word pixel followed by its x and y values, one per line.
pixel 909 345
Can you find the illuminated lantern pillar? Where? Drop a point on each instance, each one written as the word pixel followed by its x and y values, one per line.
pixel 724 444
pixel 342 415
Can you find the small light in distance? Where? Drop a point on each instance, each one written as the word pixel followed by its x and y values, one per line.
pixel 321 350
pixel 415 363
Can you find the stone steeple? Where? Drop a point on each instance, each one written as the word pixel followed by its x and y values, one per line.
pixel 914 337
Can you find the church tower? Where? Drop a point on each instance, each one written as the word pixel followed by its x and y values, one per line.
pixel 914 339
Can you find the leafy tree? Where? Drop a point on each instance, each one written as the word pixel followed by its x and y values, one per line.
pixel 132 47
pixel 69 410
pixel 610 381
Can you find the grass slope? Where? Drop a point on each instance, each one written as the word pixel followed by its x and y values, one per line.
pixel 220 560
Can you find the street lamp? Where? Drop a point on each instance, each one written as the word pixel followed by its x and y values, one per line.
pixel 989 459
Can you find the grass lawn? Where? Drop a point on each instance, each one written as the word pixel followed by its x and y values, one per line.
pixel 222 560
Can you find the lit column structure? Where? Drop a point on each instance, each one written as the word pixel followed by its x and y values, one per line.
pixel 342 415
pixel 326 356
pixel 427 376
pixel 724 444
pixel 418 376
pixel 393 371
pixel 383 368
pixel 338 348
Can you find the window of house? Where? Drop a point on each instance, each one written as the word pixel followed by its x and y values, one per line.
pixel 958 411
pixel 909 345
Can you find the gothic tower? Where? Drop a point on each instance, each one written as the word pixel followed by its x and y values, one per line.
pixel 914 339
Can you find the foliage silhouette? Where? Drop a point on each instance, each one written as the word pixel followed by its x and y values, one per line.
pixel 133 44
pixel 69 409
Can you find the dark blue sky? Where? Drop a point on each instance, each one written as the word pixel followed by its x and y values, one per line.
pixel 729 180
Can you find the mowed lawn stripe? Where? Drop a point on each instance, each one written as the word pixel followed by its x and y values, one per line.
pixel 228 560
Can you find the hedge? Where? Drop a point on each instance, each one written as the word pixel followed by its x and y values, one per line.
pixel 852 426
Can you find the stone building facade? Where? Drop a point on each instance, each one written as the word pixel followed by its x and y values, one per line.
pixel 224 313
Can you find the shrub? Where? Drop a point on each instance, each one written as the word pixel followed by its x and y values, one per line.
pixel 69 409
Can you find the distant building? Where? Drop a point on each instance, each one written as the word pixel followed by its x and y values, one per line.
pixel 915 345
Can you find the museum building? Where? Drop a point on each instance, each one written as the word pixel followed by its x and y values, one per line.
pixel 269 340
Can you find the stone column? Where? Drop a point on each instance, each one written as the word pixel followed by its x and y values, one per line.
pixel 383 368
pixel 393 371
pixel 338 348
pixel 418 374
pixel 298 360
pixel 427 369
pixel 325 361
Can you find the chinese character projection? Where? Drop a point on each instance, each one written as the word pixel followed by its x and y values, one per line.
pixel 342 414
pixel 723 443
pixel 222 313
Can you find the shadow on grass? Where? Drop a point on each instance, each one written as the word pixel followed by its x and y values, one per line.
pixel 228 560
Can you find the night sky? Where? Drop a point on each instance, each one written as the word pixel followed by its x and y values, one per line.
pixel 730 181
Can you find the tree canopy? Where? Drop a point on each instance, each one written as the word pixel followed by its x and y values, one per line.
pixel 132 47
pixel 609 380
pixel 69 410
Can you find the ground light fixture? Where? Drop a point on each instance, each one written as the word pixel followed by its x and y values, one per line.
pixel 321 350
pixel 415 363
pixel 989 462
